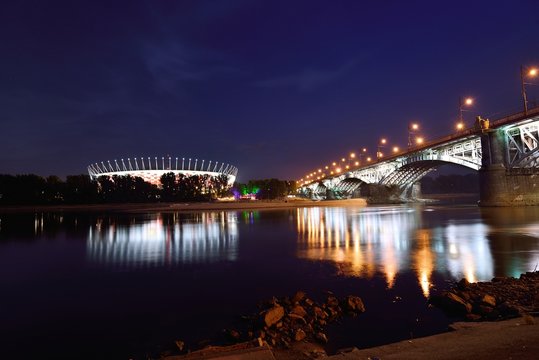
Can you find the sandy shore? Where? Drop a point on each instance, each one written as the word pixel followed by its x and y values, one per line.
pixel 183 207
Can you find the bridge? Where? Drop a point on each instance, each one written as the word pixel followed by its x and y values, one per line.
pixel 505 152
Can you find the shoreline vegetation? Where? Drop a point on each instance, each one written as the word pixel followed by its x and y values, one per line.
pixel 209 206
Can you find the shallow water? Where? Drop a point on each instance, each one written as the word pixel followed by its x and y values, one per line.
pixel 108 285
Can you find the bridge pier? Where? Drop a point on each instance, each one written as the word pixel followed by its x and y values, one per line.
pixel 500 186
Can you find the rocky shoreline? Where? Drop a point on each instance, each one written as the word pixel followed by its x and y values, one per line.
pixel 499 299
pixel 283 323
pixel 294 327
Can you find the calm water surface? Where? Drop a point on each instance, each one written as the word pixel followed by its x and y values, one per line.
pixel 116 285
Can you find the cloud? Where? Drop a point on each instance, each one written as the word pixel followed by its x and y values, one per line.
pixel 171 63
pixel 308 79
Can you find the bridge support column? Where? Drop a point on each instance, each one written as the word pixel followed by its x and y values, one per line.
pixel 383 194
pixel 499 186
pixel 330 195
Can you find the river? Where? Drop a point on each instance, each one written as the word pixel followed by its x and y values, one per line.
pixel 116 285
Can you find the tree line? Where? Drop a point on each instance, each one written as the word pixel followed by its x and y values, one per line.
pixel 80 189
pixel 265 189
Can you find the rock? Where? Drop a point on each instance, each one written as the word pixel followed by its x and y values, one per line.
pixel 299 310
pixel 354 303
pixel 298 296
pixel 473 317
pixel 179 344
pixel 321 337
pixel 332 301
pixel 489 300
pixel 319 313
pixel 299 335
pixel 463 284
pixel 453 303
pixel 297 317
pixel 273 315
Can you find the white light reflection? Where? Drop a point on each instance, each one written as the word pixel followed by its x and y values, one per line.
pixel 368 241
pixel 206 237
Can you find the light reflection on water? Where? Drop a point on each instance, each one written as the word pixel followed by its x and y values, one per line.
pixel 364 242
pixel 205 238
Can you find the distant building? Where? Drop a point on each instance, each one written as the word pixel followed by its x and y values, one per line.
pixel 151 169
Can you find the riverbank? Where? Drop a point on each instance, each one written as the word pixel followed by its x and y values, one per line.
pixel 293 328
pixel 184 207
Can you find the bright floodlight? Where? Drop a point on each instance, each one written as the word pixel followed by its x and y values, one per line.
pixel 152 170
pixel 468 101
pixel 383 141
pixel 395 149
pixel 352 155
pixel 460 126
pixel 533 72
pixel 415 126
pixel 419 140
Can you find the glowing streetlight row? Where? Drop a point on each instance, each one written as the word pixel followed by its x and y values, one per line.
pixel 413 139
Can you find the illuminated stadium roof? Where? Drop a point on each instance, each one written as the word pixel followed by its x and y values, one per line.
pixel 151 169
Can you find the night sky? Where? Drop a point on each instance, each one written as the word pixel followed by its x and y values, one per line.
pixel 276 88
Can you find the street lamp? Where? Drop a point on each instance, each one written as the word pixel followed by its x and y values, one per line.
pixel 463 102
pixel 419 140
pixel 381 145
pixel 395 149
pixel 412 129
pixel 529 72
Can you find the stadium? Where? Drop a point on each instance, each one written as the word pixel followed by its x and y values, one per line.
pixel 151 169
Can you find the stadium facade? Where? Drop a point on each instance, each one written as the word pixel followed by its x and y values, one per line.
pixel 152 168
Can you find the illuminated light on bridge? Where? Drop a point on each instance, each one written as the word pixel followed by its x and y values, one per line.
pixel 509 168
pixel 151 170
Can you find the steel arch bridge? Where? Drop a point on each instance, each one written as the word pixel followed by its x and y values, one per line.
pixel 517 136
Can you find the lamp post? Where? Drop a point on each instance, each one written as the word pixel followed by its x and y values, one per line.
pixel 464 102
pixel 532 72
pixel 380 146
pixel 412 128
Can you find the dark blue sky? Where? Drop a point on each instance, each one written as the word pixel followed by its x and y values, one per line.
pixel 276 88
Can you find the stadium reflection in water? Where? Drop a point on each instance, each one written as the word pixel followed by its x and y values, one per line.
pixel 367 241
pixel 167 239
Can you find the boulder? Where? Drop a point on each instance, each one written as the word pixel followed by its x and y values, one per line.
pixel 319 313
pixel 354 303
pixel 489 300
pixel 453 303
pixel 299 335
pixel 298 296
pixel 273 315
pixel 299 310
pixel 321 337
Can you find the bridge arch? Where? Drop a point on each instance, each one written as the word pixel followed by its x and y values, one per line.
pixel 411 172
